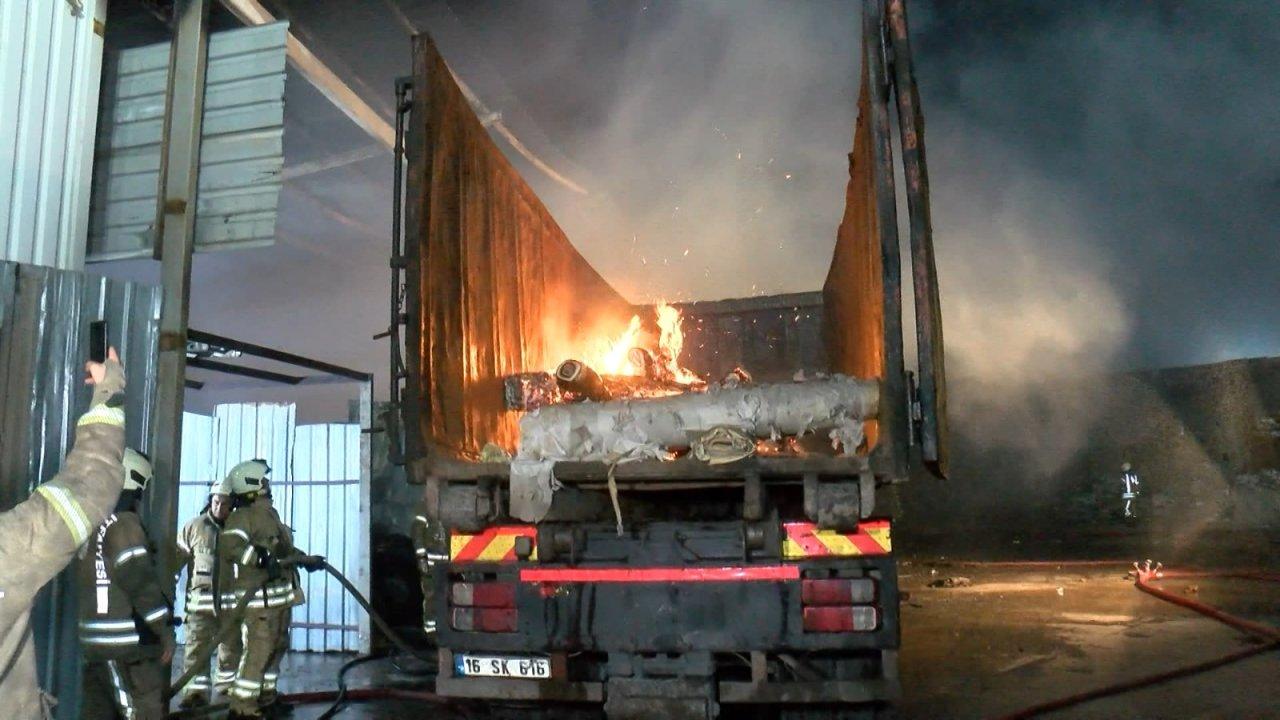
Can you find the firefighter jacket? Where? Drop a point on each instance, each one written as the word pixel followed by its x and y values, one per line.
pixel 252 542
pixel 197 551
pixel 123 613
pixel 40 535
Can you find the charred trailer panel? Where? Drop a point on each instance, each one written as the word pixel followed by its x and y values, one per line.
pixel 657 588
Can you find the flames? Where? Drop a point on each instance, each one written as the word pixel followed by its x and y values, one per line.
pixel 671 343
pixel 610 354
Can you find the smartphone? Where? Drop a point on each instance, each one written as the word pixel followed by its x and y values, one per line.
pixel 98 341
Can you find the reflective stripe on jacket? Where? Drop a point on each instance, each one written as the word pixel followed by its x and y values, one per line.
pixel 252 533
pixel 40 535
pixel 121 604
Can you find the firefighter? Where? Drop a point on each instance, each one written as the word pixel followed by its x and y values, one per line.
pixel 250 548
pixel 1130 480
pixel 126 632
pixel 197 546
pixel 429 545
pixel 40 536
pixel 270 678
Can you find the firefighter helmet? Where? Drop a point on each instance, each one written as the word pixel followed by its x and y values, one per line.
pixel 247 478
pixel 219 487
pixel 1125 467
pixel 137 470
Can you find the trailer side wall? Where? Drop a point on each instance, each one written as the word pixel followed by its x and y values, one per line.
pixel 492 280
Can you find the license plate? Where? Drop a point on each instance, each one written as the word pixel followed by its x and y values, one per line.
pixel 499 666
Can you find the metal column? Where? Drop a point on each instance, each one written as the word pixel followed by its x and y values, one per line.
pixel 365 550
pixel 175 232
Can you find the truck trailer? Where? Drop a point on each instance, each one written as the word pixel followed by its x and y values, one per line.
pixel 746 572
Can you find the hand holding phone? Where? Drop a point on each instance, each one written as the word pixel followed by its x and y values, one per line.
pixel 96 372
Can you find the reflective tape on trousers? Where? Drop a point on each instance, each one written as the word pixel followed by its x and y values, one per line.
pixel 130 639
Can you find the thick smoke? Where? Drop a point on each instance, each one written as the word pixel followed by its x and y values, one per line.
pixel 714 147
pixel 1100 181
pixel 1104 174
pixel 723 135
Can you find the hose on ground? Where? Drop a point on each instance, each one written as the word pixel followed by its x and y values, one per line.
pixel 1144 577
pixel 341 699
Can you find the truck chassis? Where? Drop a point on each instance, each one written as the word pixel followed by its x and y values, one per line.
pixel 745 600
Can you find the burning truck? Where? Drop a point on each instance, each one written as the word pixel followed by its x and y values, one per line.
pixel 634 523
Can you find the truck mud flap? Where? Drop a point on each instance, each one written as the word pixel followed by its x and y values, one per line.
pixel 672 699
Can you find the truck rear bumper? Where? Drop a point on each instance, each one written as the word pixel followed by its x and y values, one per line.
pixel 707 613
pixel 673 622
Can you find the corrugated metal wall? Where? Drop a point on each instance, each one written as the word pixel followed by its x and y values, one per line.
pixel 50 72
pixel 322 504
pixel 241 151
pixel 317 476
pixel 44 320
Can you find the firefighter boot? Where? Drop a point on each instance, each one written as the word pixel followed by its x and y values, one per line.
pixel 193 700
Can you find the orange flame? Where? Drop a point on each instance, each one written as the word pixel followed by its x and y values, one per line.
pixel 671 343
pixel 607 353
pixel 609 357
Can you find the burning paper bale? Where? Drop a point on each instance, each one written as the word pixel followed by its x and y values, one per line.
pixel 654 428
pixel 530 391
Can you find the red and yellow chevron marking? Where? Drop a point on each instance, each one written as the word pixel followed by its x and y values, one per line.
pixel 496 544
pixel 805 540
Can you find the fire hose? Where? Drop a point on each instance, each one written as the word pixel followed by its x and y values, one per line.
pixel 337 697
pixel 1144 575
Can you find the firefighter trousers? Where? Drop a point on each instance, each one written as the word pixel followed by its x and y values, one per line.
pixel 425 568
pixel 124 689
pixel 202 632
pixel 260 635
pixel 271 677
pixel 229 653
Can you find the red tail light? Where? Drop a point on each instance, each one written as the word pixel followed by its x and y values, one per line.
pixel 859 618
pixel 483 619
pixel 838 591
pixel 482 595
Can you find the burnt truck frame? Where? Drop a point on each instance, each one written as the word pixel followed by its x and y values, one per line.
pixel 731 600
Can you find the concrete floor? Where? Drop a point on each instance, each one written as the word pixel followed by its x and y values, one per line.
pixel 1013 638
pixel 1018 636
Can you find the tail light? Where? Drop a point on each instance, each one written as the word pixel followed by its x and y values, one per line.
pixel 858 618
pixel 482 594
pixel 833 605
pixel 482 606
pixel 493 620
pixel 838 591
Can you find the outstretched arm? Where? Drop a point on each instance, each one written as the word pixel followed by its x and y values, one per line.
pixel 46 529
